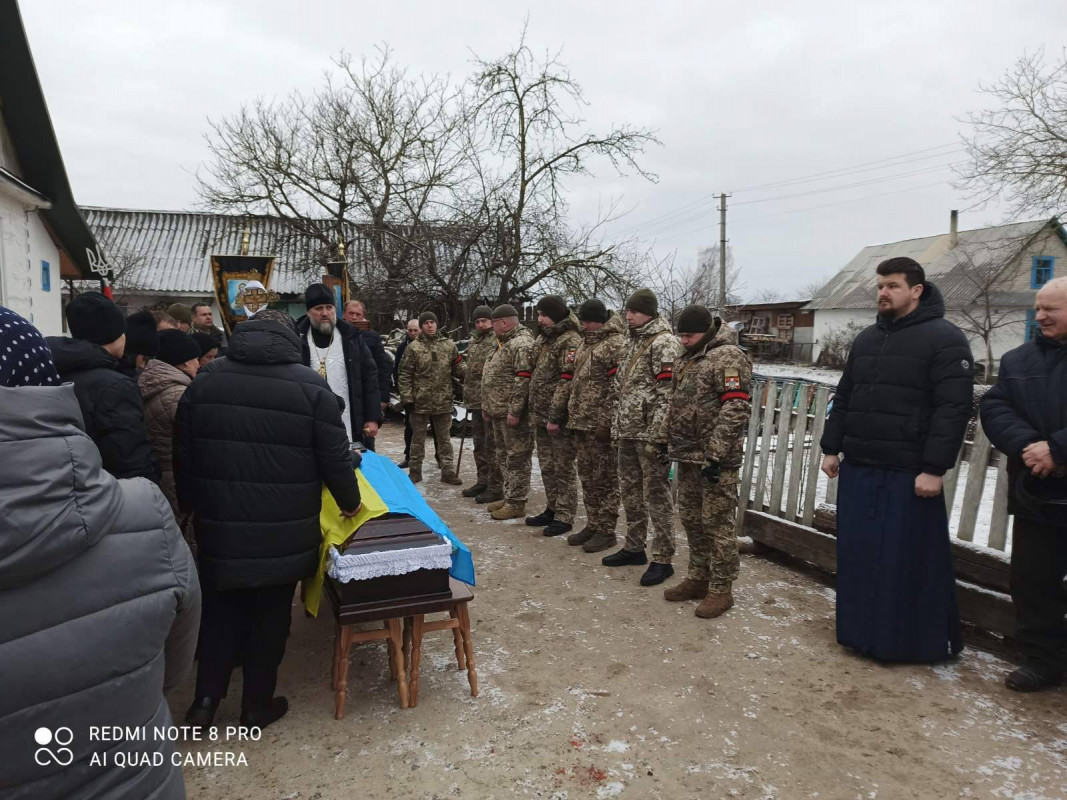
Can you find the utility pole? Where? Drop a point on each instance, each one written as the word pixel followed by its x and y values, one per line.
pixel 722 254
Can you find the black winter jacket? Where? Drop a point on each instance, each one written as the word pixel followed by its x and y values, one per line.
pixel 905 397
pixel 110 404
pixel 364 393
pixel 1029 404
pixel 374 343
pixel 255 439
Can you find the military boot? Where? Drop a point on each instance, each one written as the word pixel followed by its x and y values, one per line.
pixel 495 505
pixel 600 541
pixel 475 490
pixel 510 510
pixel 715 605
pixel 451 478
pixel 415 473
pixel 689 589
pixel 489 496
pixel 581 537
pixel 542 519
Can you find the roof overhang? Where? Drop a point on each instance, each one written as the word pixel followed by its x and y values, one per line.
pixel 22 193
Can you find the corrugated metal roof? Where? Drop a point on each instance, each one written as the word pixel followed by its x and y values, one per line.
pixel 170 250
pixel 951 269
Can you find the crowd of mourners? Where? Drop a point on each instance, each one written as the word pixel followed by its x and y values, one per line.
pixel 161 483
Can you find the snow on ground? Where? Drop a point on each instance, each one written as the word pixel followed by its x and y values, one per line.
pixel 804 372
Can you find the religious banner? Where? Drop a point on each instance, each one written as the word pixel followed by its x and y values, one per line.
pixel 242 286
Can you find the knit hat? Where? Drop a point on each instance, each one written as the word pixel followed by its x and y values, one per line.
pixel 505 310
pixel 280 317
pixel 141 336
pixel 181 312
pixel 554 307
pixel 644 302
pixel 318 294
pixel 694 319
pixel 205 342
pixel 94 318
pixel 593 311
pixel 176 347
pixel 427 316
pixel 483 312
pixel 25 359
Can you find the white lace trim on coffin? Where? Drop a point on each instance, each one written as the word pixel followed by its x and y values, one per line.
pixel 364 566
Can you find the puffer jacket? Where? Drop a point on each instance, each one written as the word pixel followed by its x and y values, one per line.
pixel 643 382
pixel 906 394
pixel 585 402
pixel 430 363
pixel 481 346
pixel 506 378
pixel 162 386
pixel 710 401
pixel 255 439
pixel 553 366
pixel 99 609
pixel 110 404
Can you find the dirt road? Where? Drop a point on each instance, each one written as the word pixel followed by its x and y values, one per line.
pixel 592 686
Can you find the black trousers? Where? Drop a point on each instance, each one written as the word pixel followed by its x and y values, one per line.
pixel 1038 564
pixel 247 628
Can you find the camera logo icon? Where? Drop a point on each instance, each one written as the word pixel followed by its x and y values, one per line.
pixel 60 738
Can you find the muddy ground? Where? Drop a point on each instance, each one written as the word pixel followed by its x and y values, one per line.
pixel 594 687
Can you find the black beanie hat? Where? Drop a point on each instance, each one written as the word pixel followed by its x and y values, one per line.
pixel 593 311
pixel 644 302
pixel 176 347
pixel 141 336
pixel 554 307
pixel 505 310
pixel 205 342
pixel 427 316
pixel 483 312
pixel 318 294
pixel 94 318
pixel 694 319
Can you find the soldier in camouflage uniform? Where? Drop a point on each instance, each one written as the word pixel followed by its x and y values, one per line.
pixel 705 428
pixel 584 405
pixel 553 357
pixel 482 344
pixel 425 379
pixel 505 394
pixel 642 396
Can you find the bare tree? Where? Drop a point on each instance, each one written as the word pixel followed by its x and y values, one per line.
pixel 1018 148
pixel 706 290
pixel 529 108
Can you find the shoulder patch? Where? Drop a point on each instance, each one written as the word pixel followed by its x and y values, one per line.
pixel 571 351
pixel 732 380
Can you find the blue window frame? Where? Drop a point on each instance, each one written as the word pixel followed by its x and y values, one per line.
pixel 1033 330
pixel 1042 269
pixel 46 276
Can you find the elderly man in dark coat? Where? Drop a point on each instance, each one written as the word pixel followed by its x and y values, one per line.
pixel 1025 416
pixel 899 417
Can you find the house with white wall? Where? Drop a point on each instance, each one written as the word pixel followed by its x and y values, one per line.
pixel 43 238
pixel 989 278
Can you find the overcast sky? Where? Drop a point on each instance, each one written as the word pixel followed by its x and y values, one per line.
pixel 741 94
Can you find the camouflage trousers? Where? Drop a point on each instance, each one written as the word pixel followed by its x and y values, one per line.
pixel 485 460
pixel 442 431
pixel 514 452
pixel 598 468
pixel 708 512
pixel 644 482
pixel 556 455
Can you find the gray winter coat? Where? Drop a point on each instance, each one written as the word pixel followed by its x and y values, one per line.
pixel 99 609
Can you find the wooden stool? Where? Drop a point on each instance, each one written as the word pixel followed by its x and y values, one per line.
pixel 345 637
pixel 459 622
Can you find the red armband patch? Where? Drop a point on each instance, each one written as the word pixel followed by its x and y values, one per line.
pixel 613 370
pixel 523 374
pixel 457 359
pixel 665 375
pixel 735 396
pixel 566 376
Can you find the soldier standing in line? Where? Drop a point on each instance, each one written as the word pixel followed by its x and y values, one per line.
pixel 705 431
pixel 584 405
pixel 482 344
pixel 426 394
pixel 642 395
pixel 505 392
pixel 554 352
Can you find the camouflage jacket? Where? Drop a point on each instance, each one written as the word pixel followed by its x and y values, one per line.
pixel 553 358
pixel 426 372
pixel 506 377
pixel 585 402
pixel 710 404
pixel 643 382
pixel 481 346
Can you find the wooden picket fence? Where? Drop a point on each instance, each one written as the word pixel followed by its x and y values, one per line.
pixel 780 504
